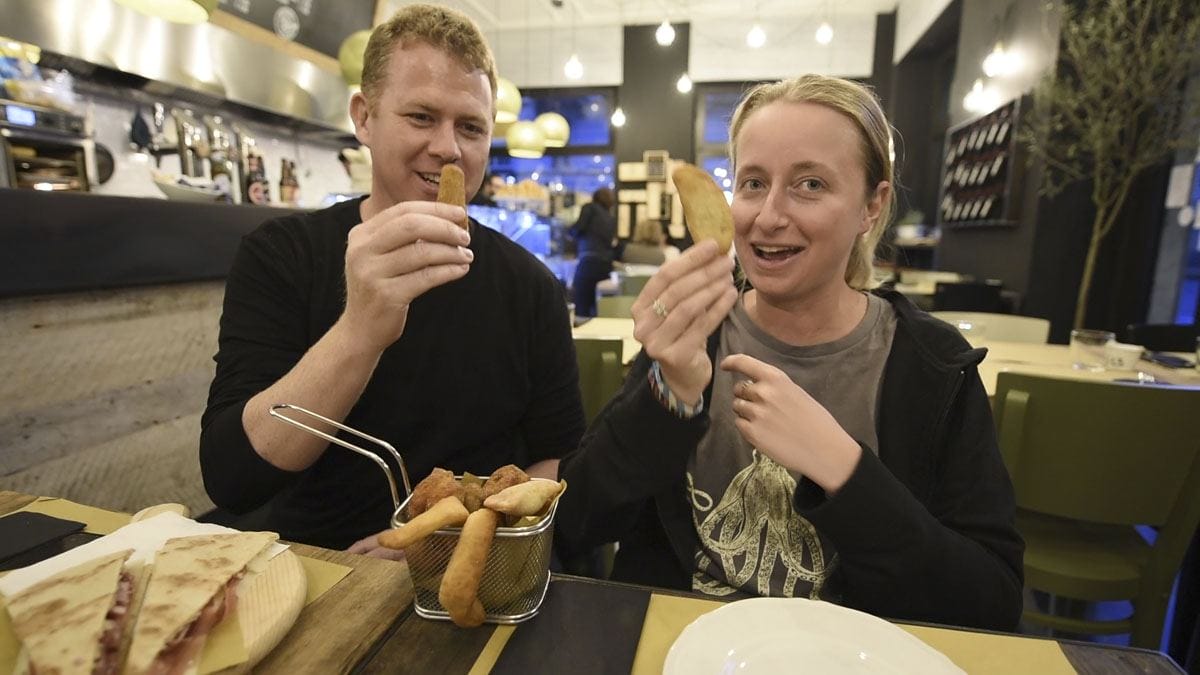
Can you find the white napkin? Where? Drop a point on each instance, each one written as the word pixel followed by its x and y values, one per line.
pixel 145 537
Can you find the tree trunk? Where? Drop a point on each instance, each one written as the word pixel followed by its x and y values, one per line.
pixel 1085 281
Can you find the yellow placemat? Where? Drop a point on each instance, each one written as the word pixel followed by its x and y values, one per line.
pixel 666 617
pixel 491 651
pixel 985 654
pixel 322 575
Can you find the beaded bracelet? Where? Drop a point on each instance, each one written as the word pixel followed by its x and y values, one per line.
pixel 668 398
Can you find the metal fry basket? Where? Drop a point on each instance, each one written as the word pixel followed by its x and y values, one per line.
pixel 517 572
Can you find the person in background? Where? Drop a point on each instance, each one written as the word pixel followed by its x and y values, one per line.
pixel 595 232
pixel 383 312
pixel 487 191
pixel 809 437
pixel 648 246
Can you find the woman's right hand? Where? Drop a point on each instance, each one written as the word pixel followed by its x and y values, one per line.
pixel 681 305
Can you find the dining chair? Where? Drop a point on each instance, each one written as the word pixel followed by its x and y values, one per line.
pixel 1162 337
pixel 1002 327
pixel 1090 461
pixel 615 306
pixel 632 284
pixel 600 372
pixel 968 296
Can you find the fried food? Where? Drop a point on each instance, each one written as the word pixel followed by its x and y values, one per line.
pixel 438 484
pixel 705 210
pixel 473 496
pixel 460 584
pixel 448 512
pixel 505 476
pixel 525 499
pixel 452 190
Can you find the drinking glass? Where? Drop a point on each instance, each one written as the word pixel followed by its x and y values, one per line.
pixel 1087 348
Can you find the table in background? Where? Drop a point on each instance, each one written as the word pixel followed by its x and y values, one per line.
pixel 615 328
pixel 1055 361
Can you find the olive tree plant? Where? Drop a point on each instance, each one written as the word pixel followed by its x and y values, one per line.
pixel 1118 103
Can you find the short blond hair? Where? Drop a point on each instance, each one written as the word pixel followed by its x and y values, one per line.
pixel 446 29
pixel 860 105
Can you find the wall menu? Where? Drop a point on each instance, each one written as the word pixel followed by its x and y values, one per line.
pixel 981 170
pixel 319 24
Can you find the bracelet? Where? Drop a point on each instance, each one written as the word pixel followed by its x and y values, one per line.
pixel 668 398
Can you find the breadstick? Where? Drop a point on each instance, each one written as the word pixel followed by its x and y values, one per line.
pixel 452 190
pixel 525 499
pixel 705 210
pixel 460 584
pixel 449 511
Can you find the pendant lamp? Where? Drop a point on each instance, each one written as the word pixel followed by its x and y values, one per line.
pixel 175 11
pixel 508 101
pixel 555 128
pixel 525 140
pixel 350 56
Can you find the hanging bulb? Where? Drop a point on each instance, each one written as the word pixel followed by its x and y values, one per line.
pixel 618 118
pixel 824 33
pixel 665 34
pixel 573 68
pixel 756 38
pixel 684 83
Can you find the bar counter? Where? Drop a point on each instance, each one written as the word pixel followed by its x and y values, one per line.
pixel 58 242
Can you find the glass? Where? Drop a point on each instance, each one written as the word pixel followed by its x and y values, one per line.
pixel 1087 348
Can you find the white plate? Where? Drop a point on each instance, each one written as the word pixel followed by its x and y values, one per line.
pixel 785 635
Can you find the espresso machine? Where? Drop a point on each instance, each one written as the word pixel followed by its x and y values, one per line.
pixel 225 158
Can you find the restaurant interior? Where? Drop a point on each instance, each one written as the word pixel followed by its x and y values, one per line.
pixel 141 140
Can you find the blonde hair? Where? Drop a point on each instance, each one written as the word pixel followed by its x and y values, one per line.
pixel 649 232
pixel 860 105
pixel 446 29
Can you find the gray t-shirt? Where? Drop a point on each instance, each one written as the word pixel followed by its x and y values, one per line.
pixel 752 542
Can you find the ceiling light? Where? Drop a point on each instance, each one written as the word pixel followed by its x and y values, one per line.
pixel 756 38
pixel 350 56
pixel 684 83
pixel 525 140
pixel 555 128
pixel 508 101
pixel 824 33
pixel 175 11
pixel 573 68
pixel 618 118
pixel 665 34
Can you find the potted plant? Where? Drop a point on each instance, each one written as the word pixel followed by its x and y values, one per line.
pixel 1124 97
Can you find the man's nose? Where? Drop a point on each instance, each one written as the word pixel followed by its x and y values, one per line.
pixel 444 143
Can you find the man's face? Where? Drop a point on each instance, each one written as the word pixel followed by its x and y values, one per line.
pixel 431 111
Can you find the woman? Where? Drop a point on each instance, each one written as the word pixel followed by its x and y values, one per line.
pixel 595 231
pixel 648 246
pixel 843 448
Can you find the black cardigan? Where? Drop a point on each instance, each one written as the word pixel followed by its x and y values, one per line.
pixel 924 531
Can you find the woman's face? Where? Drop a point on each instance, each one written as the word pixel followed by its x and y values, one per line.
pixel 800 200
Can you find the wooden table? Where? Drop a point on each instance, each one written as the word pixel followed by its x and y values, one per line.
pixel 1055 361
pixel 339 629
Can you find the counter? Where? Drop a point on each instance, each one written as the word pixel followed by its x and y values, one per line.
pixel 57 242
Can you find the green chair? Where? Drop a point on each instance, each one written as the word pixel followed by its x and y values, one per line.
pixel 615 306
pixel 1089 461
pixel 632 284
pixel 600 372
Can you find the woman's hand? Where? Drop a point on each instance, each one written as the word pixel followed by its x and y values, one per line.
pixel 395 257
pixel 681 305
pixel 370 546
pixel 784 423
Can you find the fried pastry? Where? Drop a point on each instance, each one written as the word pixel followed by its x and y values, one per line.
pixel 505 476
pixel 448 512
pixel 452 190
pixel 705 210
pixel 438 484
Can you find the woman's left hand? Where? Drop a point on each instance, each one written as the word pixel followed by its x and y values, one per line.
pixel 784 423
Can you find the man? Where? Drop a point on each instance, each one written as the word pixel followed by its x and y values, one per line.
pixel 452 345
pixel 487 194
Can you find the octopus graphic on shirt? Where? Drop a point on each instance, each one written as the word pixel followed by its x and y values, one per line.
pixel 754 535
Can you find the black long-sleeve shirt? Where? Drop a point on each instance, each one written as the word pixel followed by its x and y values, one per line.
pixel 484 375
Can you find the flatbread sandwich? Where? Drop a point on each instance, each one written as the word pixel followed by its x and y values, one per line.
pixel 77 620
pixel 193 586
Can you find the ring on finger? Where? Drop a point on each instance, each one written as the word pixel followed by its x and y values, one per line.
pixel 744 387
pixel 659 308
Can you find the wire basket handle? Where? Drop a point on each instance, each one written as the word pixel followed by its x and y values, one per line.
pixel 275 412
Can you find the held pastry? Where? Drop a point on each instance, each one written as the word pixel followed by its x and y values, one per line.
pixel 448 512
pixel 705 210
pixel 452 190
pixel 525 499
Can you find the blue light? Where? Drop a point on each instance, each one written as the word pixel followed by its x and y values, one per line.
pixel 18 115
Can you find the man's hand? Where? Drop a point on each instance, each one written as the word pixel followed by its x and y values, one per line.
pixel 681 305
pixel 393 258
pixel 784 423
pixel 369 546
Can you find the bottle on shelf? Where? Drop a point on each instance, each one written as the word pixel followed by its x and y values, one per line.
pixel 258 190
pixel 289 187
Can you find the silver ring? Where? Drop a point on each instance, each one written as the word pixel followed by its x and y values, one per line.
pixel 659 308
